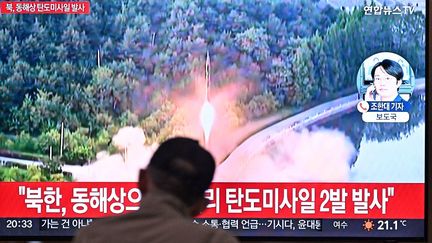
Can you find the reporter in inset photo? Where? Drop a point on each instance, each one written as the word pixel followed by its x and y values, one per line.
pixel 387 78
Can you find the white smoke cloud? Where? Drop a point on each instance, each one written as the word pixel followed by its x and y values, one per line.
pixel 306 156
pixel 123 166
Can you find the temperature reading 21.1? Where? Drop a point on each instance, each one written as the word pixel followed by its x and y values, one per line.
pixel 391 224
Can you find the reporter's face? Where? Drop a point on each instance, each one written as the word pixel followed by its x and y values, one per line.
pixel 385 84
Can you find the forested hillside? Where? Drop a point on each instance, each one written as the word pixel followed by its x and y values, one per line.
pixel 117 66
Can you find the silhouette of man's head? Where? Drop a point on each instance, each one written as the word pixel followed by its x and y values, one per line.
pixel 181 167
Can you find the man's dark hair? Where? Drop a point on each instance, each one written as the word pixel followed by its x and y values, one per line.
pixel 181 167
pixel 391 67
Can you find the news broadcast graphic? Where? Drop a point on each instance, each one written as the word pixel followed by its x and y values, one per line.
pixel 33 7
pixel 313 110
pixel 386 82
pixel 247 209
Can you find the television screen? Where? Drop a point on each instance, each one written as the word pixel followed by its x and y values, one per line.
pixel 314 111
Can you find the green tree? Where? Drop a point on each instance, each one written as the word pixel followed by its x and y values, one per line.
pixel 57 177
pixel 49 111
pixel 50 138
pixel 303 74
pixel 136 36
pixel 128 119
pixel 6 40
pixel 75 44
pixel 78 148
pixel 16 87
pixel 160 124
pixel 280 79
pixel 25 143
pixel 12 174
pixel 34 174
pixel 22 119
pixel 278 34
pixel 102 140
pixel 254 42
pixel 261 105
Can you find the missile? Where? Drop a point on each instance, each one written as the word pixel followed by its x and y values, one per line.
pixel 207 75
pixel 208 112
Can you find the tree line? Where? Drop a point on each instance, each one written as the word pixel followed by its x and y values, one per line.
pixel 99 72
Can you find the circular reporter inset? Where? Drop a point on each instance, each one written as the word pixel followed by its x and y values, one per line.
pixel 385 76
